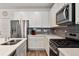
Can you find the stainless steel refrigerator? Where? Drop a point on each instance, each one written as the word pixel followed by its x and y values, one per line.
pixel 20 29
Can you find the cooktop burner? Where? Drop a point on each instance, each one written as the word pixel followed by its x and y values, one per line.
pixel 65 43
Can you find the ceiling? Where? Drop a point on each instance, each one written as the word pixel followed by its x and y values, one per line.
pixel 25 5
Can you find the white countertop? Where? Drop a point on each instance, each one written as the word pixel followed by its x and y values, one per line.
pixel 6 50
pixel 69 51
pixel 52 36
pixel 2 40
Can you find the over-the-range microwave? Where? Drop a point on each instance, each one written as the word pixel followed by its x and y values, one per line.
pixel 68 14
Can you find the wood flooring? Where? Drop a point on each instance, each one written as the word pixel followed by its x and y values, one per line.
pixel 36 53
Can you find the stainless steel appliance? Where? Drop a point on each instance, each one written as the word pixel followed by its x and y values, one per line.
pixel 53 51
pixel 71 41
pixel 20 29
pixel 66 15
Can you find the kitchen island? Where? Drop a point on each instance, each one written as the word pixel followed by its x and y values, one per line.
pixel 7 50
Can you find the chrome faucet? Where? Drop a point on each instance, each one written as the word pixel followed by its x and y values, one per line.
pixel 6 38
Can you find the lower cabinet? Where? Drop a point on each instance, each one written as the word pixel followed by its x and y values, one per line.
pixel 47 45
pixel 36 42
pixel 21 50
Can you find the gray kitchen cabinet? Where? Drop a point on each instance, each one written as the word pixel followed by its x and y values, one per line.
pixel 36 42
pixel 21 50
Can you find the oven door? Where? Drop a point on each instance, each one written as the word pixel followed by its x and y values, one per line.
pixel 53 50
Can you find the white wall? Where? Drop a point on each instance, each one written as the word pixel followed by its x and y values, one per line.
pixel 4 27
pixel 52 13
pixel 5 22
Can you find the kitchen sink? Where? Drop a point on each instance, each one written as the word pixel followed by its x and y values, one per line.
pixel 14 40
pixel 11 42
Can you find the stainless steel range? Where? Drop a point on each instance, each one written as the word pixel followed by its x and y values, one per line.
pixel 65 43
pixel 71 41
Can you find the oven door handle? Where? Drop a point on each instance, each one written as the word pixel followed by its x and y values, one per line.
pixel 64 13
pixel 55 51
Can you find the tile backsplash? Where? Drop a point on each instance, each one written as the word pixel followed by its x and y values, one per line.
pixel 60 31
pixel 41 30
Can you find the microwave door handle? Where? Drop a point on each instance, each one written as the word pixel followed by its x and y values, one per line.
pixel 64 13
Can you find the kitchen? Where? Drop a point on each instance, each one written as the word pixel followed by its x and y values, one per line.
pixel 39 29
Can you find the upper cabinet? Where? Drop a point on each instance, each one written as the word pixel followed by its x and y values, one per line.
pixel 39 19
pixel 35 20
pixel 45 20
pixel 52 13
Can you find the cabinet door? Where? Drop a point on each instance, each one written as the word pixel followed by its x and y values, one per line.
pixel 40 43
pixel 36 42
pixel 46 45
pixel 44 21
pixel 39 19
pixel 21 50
pixel 31 42
pixel 36 19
